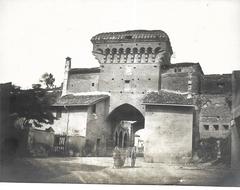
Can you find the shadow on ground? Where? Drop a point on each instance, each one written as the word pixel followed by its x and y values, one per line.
pixel 41 170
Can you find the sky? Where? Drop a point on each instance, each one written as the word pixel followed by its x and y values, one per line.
pixel 37 35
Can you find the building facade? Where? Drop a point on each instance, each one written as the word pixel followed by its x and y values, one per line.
pixel 137 87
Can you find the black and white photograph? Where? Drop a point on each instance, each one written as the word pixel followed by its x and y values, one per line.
pixel 130 92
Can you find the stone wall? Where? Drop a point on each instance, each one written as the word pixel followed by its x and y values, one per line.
pixel 169 134
pixel 215 117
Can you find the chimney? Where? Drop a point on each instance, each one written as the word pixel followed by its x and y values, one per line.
pixel 189 86
pixel 65 79
pixel 68 64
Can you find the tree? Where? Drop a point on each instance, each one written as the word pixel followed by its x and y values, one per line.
pixel 31 104
pixel 48 80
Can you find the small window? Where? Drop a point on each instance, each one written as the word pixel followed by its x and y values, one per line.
pixel 98 142
pixel 149 79
pixel 206 127
pixel 216 127
pixel 94 108
pixel 127 81
pixel 112 78
pixel 177 70
pixel 226 127
pixel 93 84
pixel 59 114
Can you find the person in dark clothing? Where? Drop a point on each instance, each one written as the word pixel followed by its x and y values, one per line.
pixel 133 156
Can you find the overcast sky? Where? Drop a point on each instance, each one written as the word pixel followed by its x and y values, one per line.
pixel 37 35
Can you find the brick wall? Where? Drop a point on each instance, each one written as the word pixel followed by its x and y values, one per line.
pixel 128 83
pixel 82 82
pixel 215 117
pixel 181 78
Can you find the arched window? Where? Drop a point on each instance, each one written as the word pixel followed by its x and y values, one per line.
pixel 135 51
pixel 107 51
pixel 120 51
pixel 128 55
pixel 142 50
pixel 135 55
pixel 128 51
pixel 121 58
pixel 149 50
pixel 142 55
pixel 114 55
pixel 114 51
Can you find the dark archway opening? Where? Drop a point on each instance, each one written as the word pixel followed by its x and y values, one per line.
pixel 120 139
pixel 125 120
pixel 125 141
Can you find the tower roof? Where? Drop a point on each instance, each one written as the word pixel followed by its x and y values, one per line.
pixel 131 36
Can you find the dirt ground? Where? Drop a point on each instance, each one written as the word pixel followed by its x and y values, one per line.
pixel 100 170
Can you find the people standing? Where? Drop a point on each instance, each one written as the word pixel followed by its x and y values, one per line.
pixel 133 156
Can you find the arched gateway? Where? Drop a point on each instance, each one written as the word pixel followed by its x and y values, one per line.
pixel 125 120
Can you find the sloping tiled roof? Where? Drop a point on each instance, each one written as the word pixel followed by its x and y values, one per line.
pixel 164 97
pixel 84 70
pixel 131 35
pixel 79 100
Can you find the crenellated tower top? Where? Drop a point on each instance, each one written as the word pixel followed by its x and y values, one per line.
pixel 136 46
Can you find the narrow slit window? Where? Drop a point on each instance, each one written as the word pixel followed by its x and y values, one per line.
pixel 94 108
pixel 93 84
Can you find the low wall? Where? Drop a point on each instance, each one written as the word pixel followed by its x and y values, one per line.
pixel 75 145
pixel 39 143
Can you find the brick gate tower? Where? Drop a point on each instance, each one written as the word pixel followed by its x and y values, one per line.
pixel 130 64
